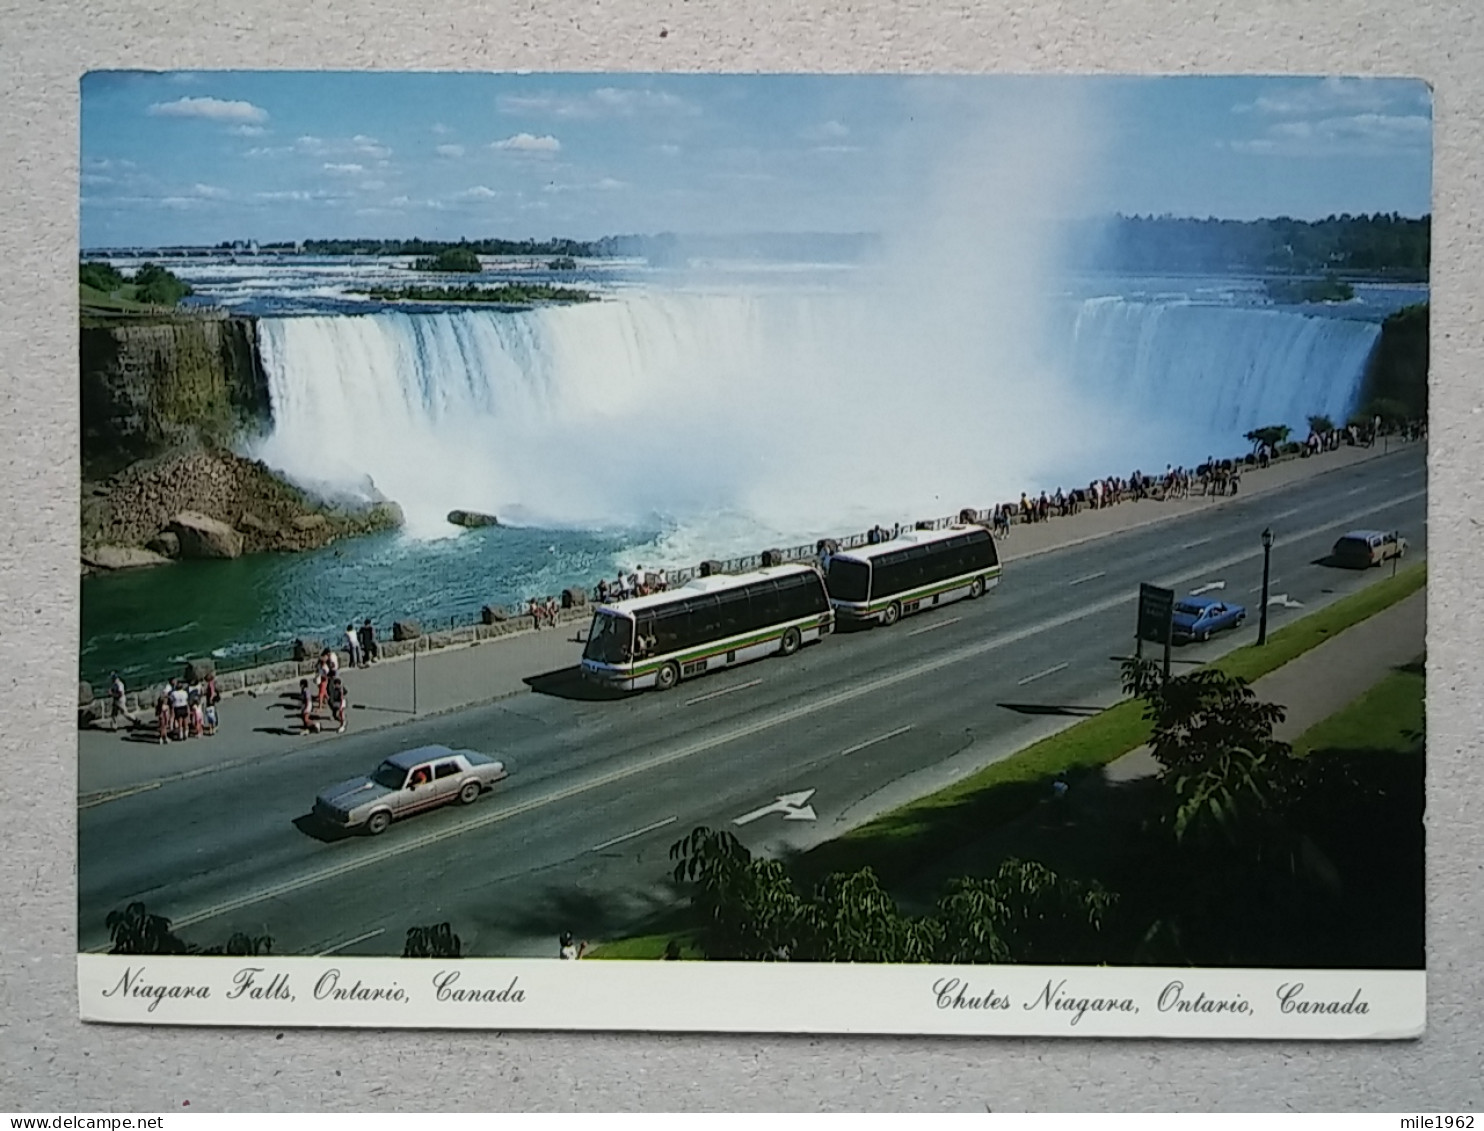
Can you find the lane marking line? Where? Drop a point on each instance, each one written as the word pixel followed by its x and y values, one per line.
pixel 874 741
pixel 352 942
pixel 1357 490
pixel 1409 474
pixel 723 691
pixel 935 627
pixel 1089 577
pixel 1040 675
pixel 116 794
pixel 1197 542
pixel 636 832
pixel 1289 513
pixel 861 690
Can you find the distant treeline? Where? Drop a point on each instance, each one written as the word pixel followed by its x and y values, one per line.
pixel 1386 245
pixel 1380 245
pixel 512 294
pixel 433 248
pixel 1395 386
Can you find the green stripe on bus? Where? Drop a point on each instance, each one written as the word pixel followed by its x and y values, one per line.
pixel 919 594
pixel 707 651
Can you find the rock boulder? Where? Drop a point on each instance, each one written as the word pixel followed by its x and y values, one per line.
pixel 406 630
pixel 164 543
pixel 472 519
pixel 204 537
pixel 122 557
pixel 493 614
pixel 307 648
pixel 199 670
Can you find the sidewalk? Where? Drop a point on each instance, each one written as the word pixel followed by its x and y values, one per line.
pixel 263 722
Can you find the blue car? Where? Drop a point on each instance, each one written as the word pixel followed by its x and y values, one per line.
pixel 1196 618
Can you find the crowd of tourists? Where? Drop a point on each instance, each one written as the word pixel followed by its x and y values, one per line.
pixel 183 708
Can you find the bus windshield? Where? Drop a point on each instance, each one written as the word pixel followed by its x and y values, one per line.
pixel 611 639
pixel 849 580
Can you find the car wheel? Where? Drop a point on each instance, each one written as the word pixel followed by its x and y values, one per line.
pixel 1203 637
pixel 378 822
pixel 1240 619
pixel 891 614
pixel 667 677
pixel 976 588
pixel 470 793
pixel 791 642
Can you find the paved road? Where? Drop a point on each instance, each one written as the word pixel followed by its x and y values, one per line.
pixel 578 837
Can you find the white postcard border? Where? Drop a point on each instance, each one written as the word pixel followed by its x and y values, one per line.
pixel 507 993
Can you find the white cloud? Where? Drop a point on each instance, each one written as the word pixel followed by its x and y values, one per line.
pixel 1337 95
pixel 211 192
pixel 668 149
pixel 831 130
pixel 269 150
pixel 450 151
pixel 369 146
pixel 212 109
pixel 837 149
pixel 371 186
pixel 1367 134
pixel 96 179
pixel 285 194
pixel 605 102
pixel 247 131
pixel 348 169
pixel 528 143
pixel 440 129
pixel 607 184
pixel 478 192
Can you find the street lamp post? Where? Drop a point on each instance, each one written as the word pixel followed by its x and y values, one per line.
pixel 1262 616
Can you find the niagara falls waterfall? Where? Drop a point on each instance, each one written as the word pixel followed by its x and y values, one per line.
pixel 792 413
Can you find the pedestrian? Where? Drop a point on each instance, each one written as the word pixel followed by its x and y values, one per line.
pixel 116 700
pixel 180 710
pixel 322 678
pixel 569 950
pixel 306 709
pixel 339 702
pixel 193 700
pixel 209 718
pixel 162 716
pixel 352 646
pixel 368 643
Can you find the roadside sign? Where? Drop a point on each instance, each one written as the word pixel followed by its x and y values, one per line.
pixel 1156 608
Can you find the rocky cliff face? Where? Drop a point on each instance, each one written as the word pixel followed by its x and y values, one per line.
pixel 152 386
pixel 163 402
pixel 210 503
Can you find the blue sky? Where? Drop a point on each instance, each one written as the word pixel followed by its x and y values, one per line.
pixel 179 158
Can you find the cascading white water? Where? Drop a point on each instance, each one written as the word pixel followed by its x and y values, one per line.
pixel 1220 371
pixel 783 413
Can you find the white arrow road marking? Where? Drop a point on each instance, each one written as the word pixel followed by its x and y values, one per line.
pixel 935 627
pixel 1282 600
pixel 791 805
pixel 1208 587
pixel 636 832
pixel 1089 577
pixel 723 691
pixel 403 846
pixel 352 942
pixel 1040 675
pixel 874 741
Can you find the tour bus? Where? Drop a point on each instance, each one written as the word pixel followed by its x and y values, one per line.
pixel 708 623
pixel 918 569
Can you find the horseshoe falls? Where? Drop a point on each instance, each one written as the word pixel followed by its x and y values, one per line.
pixel 739 416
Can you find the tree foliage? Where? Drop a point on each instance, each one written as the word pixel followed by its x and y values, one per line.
pixel 451 259
pixel 134 930
pixel 1225 772
pixel 750 910
pixel 157 286
pixel 1319 425
pixel 1272 435
pixel 100 276
pixel 433 942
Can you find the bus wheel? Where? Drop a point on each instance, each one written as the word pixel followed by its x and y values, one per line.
pixel 791 642
pixel 667 677
pixel 976 587
pixel 891 614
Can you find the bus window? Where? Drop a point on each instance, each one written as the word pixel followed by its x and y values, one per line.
pixel 611 639
pixel 849 580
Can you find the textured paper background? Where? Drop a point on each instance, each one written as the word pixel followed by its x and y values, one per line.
pixel 50 1061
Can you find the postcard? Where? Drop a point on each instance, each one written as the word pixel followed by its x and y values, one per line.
pixel 796 553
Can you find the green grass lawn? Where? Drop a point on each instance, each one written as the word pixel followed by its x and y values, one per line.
pixel 1387 717
pixel 91 298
